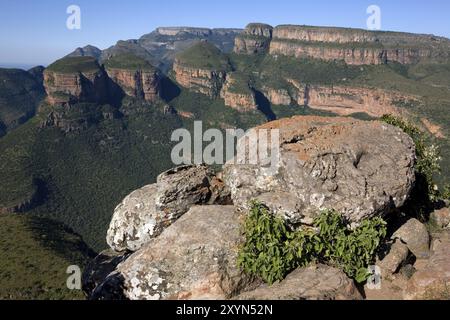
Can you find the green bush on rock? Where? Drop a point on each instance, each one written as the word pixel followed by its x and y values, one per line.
pixel 271 250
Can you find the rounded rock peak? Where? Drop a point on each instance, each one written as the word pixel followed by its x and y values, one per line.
pixel 259 29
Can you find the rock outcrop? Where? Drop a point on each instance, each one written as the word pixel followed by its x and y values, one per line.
pixel 207 82
pixel 135 76
pixel 317 282
pixel 254 40
pixel 202 68
pixel 279 96
pixel 358 168
pixel 237 93
pixel 195 258
pixel 146 212
pixel 75 79
pixel 180 238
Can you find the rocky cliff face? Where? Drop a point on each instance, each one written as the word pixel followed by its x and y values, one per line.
pixel 81 79
pixel 237 93
pixel 255 39
pixel 354 46
pixel 142 84
pixel 342 100
pixel 75 79
pixel 207 82
pixel 347 100
pixel 202 68
pixel 278 97
pixel 352 55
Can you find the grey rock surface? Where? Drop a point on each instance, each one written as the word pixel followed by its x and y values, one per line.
pixel 182 187
pixel 195 258
pixel 362 169
pixel 146 212
pixel 415 235
pixel 318 282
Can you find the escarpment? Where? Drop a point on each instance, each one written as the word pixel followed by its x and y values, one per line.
pixel 354 46
pixel 202 68
pixel 75 79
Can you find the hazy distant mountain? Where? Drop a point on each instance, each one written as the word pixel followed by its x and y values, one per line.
pixel 164 43
pixel 160 46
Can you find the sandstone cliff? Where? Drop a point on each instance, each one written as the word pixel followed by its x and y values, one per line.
pixel 341 100
pixel 237 93
pixel 255 39
pixel 75 79
pixel 354 46
pixel 135 76
pixel 202 68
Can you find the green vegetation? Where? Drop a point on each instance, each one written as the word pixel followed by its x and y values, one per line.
pixel 240 82
pixel 20 94
pixel 85 174
pixel 128 62
pixel 204 55
pixel 272 71
pixel 428 159
pixel 272 250
pixel 35 254
pixel 74 64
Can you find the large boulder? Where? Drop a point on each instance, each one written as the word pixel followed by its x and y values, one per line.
pixel 195 258
pixel 146 212
pixel 360 168
pixel 312 283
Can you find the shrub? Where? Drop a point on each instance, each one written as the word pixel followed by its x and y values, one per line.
pixel 428 158
pixel 267 251
pixel 350 250
pixel 272 250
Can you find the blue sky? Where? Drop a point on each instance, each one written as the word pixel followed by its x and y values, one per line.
pixel 34 31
